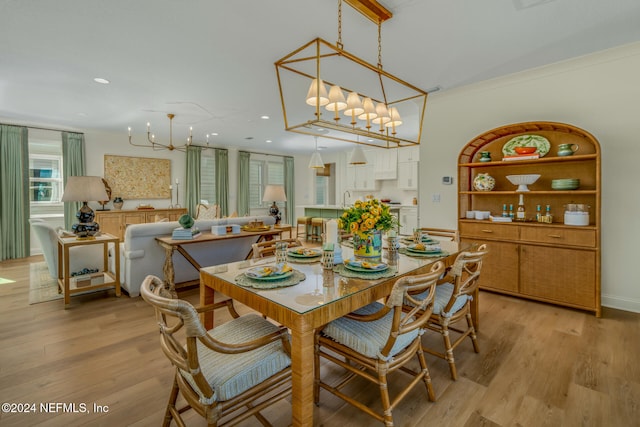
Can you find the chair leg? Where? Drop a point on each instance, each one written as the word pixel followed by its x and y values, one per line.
pixel 426 377
pixel 472 333
pixel 173 397
pixel 384 396
pixel 449 351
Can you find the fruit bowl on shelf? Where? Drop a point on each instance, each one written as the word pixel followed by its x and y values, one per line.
pixel 522 181
pixel 525 150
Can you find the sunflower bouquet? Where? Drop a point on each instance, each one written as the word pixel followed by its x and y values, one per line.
pixel 367 216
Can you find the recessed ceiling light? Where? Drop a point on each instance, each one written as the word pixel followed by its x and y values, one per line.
pixel 264 117
pixel 249 138
pixel 214 134
pixel 101 81
pixel 268 141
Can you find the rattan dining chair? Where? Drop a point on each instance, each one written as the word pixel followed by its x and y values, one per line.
pixel 227 374
pixel 442 233
pixel 379 339
pixel 268 247
pixel 453 304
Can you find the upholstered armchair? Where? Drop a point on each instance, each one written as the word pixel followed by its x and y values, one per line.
pixel 90 257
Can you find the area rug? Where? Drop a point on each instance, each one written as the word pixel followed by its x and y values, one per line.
pixel 42 287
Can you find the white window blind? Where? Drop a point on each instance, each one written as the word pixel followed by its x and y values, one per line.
pixel 208 178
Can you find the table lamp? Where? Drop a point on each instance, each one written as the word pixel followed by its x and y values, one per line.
pixel 84 189
pixel 274 193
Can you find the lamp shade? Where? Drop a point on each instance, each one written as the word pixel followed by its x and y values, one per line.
pixel 369 108
pixel 274 193
pixel 316 91
pixel 316 161
pixel 84 189
pixel 336 99
pixel 354 105
pixel 382 114
pixel 358 157
pixel 394 115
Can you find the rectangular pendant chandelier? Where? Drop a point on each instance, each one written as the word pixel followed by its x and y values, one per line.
pixel 326 91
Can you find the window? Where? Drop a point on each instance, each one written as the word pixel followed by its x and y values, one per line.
pixel 263 171
pixel 322 183
pixel 45 173
pixel 208 194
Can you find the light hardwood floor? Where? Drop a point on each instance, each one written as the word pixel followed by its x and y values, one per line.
pixel 539 365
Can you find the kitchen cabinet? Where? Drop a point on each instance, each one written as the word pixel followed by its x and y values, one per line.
pixel 115 222
pixel 408 175
pixel 361 177
pixel 550 262
pixel 408 220
pixel 409 154
pixel 386 163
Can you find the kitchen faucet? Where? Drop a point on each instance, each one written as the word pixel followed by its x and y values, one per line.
pixel 344 198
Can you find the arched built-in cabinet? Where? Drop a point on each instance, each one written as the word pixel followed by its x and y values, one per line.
pixel 555 263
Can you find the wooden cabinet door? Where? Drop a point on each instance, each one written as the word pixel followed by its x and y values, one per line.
pixel 175 215
pixel 110 224
pixel 500 266
pixel 558 274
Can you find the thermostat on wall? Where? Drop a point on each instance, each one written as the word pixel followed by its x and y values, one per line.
pixel 448 180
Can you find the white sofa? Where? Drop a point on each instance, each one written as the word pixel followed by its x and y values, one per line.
pixel 140 253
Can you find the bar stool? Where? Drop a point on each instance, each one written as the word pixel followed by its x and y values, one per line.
pixel 305 221
pixel 317 228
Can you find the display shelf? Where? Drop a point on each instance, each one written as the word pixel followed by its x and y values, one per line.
pixel 532 250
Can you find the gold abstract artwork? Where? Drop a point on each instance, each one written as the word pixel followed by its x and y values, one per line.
pixel 138 177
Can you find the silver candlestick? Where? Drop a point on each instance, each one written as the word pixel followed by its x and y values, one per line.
pixel 177 205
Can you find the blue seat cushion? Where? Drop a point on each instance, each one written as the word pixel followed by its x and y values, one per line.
pixel 442 297
pixel 368 338
pixel 231 374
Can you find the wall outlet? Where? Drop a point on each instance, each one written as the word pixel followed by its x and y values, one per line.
pixel 435 198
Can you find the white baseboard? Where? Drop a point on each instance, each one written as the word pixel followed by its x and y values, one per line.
pixel 625 304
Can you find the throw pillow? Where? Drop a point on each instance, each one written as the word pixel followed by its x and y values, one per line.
pixel 207 212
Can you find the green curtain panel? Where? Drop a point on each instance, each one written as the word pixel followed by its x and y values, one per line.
pixel 14 192
pixel 73 165
pixel 289 189
pixel 192 195
pixel 243 183
pixel 222 180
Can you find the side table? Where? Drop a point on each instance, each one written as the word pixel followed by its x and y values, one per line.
pixel 101 280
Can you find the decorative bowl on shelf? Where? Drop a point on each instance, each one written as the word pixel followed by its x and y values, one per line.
pixel 522 181
pixel 525 150
pixel 484 182
pixel 565 184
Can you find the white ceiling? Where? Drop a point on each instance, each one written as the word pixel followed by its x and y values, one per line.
pixel 212 62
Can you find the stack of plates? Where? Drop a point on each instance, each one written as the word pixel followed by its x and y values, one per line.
pixel 565 184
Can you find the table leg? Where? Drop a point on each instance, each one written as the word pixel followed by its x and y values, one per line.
pixel 206 297
pixel 302 375
pixel 67 274
pixel 168 271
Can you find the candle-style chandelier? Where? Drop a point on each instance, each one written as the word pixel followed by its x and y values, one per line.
pixel 152 143
pixel 364 104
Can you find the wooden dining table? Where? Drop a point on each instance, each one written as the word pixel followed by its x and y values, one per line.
pixel 324 295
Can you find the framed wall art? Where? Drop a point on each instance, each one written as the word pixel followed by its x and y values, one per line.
pixel 138 177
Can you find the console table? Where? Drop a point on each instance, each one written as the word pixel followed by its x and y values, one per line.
pixel 170 245
pixel 115 222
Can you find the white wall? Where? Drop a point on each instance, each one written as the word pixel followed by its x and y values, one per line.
pixel 598 93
